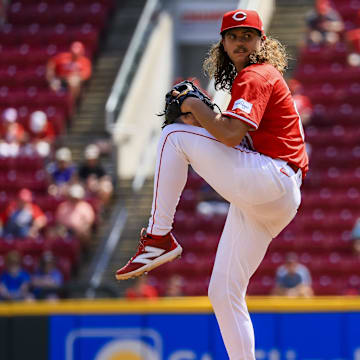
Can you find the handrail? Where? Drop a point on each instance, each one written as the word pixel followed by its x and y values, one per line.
pixel 145 161
pixel 123 78
pixel 106 249
pixel 112 109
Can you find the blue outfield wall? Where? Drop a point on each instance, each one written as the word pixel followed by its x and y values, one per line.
pixel 319 328
pixel 189 336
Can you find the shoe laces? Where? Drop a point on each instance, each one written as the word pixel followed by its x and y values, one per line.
pixel 141 246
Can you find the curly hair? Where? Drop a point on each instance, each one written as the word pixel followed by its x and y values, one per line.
pixel 219 66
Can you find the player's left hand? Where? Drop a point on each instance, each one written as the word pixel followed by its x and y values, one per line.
pixel 177 101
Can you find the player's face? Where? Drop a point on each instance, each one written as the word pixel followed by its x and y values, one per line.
pixel 239 43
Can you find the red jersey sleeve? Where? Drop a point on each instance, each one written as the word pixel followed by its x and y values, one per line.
pixel 49 132
pixel 57 60
pixel 250 94
pixel 36 211
pixel 4 216
pixel 85 68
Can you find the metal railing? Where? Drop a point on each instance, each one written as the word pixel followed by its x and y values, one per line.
pixel 105 250
pixel 128 68
pixel 112 110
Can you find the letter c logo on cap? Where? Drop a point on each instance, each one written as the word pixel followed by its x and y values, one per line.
pixel 239 16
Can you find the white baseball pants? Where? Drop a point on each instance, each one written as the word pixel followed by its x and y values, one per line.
pixel 264 196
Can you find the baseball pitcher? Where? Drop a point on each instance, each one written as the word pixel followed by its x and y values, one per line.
pixel 253 155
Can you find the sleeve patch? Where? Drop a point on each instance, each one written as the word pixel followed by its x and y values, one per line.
pixel 243 105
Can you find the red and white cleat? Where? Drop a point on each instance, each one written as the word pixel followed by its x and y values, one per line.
pixel 153 251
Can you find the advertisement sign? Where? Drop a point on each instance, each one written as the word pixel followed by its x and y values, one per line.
pixel 279 336
pixel 135 337
pixel 198 21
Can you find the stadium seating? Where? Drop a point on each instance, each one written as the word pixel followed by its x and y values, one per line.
pixel 34 32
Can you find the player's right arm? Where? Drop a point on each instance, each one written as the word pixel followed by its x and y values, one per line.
pixel 227 130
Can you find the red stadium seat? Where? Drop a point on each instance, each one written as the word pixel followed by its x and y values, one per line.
pixel 194 181
pixel 6 245
pixel 59 35
pixel 8 35
pixel 65 267
pixel 188 200
pixel 29 163
pixel 48 202
pixel 196 286
pixel 33 77
pixel 352 284
pixel 68 14
pixel 213 223
pixel 284 242
pixel 22 14
pixel 267 267
pixel 30 263
pixel 69 248
pixel 95 14
pixel 261 285
pixel 185 222
pixel 203 242
pixel 32 35
pixel 2 263
pixel 88 35
pixel 327 285
pixel 193 264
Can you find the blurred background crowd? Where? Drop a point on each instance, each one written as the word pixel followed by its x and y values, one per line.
pixel 50 204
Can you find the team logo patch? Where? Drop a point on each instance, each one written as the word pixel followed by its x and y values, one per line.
pixel 239 16
pixel 243 105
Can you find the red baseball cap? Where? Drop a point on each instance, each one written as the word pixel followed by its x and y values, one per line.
pixel 242 18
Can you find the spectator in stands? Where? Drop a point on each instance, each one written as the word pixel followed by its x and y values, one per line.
pixel 14 281
pixel 22 218
pixel 62 172
pixel 355 236
pixel 69 70
pixel 303 103
pixel 175 286
pixel 10 130
pixel 352 38
pixel 93 175
pixel 293 278
pixel 48 279
pixel 324 24
pixel 42 133
pixel 141 289
pixel 76 214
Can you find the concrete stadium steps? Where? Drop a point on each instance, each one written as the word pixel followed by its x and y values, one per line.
pixel 87 124
pixel 139 207
pixel 288 26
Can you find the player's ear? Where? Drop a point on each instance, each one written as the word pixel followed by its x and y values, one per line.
pixel 222 44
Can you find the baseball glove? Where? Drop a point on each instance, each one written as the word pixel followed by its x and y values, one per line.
pixel 173 103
